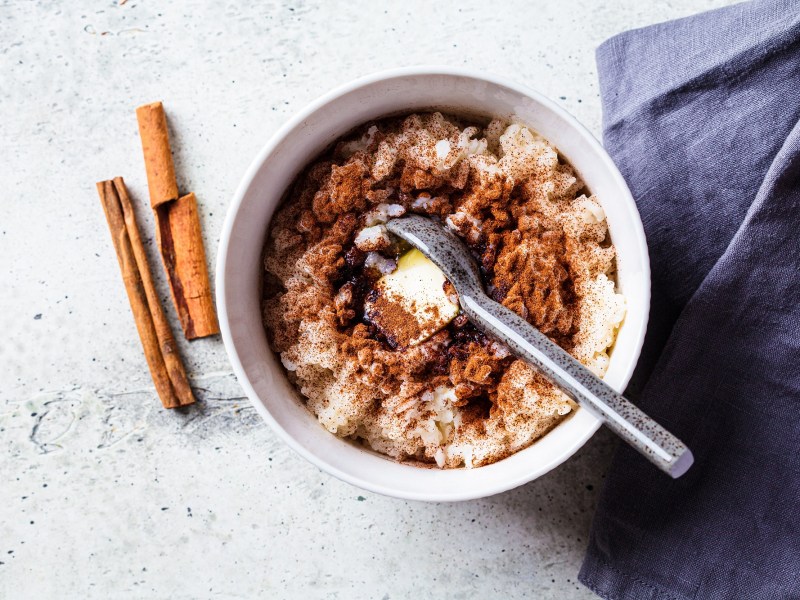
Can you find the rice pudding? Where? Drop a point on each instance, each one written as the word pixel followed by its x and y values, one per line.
pixel 444 394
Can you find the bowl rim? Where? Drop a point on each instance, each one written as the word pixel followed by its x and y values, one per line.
pixel 246 181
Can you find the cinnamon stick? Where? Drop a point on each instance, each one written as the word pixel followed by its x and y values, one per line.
pixel 158 343
pixel 178 228
pixel 161 180
pixel 185 261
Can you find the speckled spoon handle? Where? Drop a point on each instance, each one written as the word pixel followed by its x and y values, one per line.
pixel 449 253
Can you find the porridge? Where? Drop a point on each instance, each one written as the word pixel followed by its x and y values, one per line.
pixel 437 391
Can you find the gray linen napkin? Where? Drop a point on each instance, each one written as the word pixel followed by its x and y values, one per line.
pixel 702 115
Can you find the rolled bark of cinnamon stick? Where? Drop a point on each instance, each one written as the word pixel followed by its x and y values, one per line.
pixel 153 131
pixel 184 257
pixel 178 226
pixel 160 350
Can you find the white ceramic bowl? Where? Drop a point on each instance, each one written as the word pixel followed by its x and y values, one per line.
pixel 294 146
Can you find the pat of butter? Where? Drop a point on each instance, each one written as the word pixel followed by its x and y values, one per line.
pixel 410 304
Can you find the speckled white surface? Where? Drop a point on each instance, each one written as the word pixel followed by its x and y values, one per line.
pixel 103 493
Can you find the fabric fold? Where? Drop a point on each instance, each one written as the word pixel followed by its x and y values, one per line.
pixel 715 170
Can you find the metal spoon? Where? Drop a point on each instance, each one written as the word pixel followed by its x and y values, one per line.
pixel 448 252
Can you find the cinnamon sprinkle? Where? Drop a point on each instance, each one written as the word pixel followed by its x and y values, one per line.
pixel 358 372
pixel 395 323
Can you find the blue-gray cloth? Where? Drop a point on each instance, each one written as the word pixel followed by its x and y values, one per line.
pixel 702 115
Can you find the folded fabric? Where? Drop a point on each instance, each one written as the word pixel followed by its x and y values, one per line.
pixel 702 115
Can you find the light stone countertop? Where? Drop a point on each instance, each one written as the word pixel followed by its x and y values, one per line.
pixel 103 493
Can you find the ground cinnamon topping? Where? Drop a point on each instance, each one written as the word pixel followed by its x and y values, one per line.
pixel 400 325
pixel 458 398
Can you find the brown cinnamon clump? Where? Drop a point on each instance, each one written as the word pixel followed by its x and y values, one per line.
pixel 397 325
pixel 532 278
pixel 457 398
